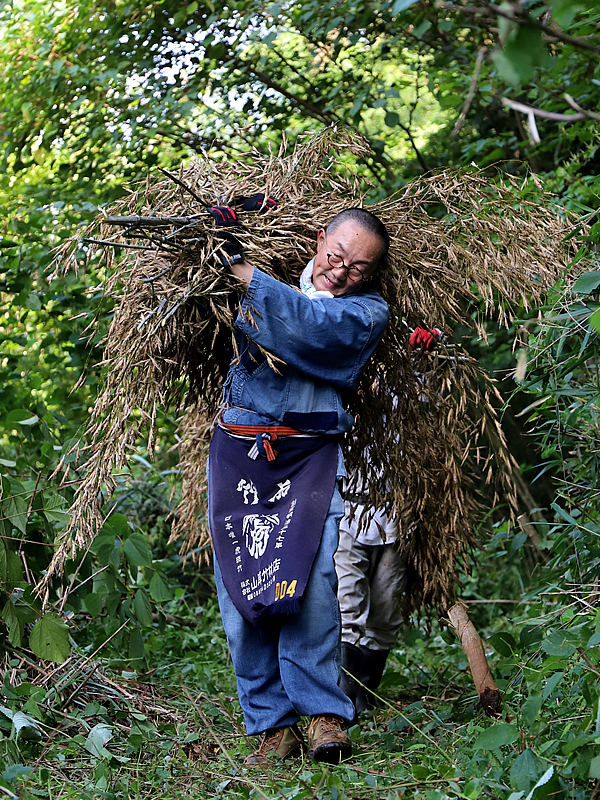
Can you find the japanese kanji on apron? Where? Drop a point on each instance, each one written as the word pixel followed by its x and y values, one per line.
pixel 267 509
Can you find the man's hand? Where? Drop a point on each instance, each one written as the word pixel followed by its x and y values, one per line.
pixel 231 251
pixel 256 203
pixel 424 339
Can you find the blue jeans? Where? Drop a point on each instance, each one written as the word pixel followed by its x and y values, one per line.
pixel 289 668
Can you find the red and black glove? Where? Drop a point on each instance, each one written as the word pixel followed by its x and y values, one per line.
pixel 231 251
pixel 424 338
pixel 256 203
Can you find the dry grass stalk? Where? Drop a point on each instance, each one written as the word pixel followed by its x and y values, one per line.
pixel 427 425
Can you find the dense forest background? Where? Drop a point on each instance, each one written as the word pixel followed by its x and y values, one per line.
pixel 121 684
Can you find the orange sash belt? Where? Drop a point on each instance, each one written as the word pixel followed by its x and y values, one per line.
pixel 266 433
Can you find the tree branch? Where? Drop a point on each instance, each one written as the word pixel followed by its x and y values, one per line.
pixel 553 115
pixel 470 94
pixel 491 10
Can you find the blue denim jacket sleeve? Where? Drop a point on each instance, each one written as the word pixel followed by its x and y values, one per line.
pixel 330 339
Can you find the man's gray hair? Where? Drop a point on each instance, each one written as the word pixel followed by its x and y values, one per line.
pixel 367 221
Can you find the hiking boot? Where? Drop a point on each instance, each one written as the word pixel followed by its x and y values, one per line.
pixel 283 742
pixel 327 740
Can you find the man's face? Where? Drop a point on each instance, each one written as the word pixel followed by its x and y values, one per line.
pixel 356 248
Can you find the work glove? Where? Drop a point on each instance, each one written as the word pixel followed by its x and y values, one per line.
pixel 424 338
pixel 256 203
pixel 230 251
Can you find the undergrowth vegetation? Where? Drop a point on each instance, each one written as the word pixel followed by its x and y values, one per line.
pixel 98 727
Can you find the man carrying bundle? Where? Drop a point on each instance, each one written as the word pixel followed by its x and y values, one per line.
pixel 274 463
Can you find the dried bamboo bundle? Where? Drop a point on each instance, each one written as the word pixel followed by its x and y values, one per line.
pixel 427 420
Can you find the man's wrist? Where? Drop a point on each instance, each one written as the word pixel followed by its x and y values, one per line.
pixel 244 271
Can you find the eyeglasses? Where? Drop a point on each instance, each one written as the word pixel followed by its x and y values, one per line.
pixel 354 273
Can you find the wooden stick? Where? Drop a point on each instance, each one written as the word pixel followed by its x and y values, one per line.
pixel 489 694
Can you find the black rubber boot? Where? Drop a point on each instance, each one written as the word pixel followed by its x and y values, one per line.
pixel 352 662
pixel 373 664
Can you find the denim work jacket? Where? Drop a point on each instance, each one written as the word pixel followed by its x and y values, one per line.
pixel 325 344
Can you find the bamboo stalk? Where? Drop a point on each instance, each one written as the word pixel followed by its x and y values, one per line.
pixel 489 694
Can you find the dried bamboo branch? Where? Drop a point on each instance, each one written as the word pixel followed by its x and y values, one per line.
pixel 170 341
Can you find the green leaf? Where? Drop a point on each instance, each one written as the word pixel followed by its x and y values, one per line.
pixel 3 563
pixel 49 638
pixel 14 568
pixel 116 525
pixel 136 645
pixel 392 119
pixel 143 608
pixel 544 788
pixel 137 551
pixel 59 517
pixel 159 589
pixel 525 770
pixel 595 320
pixel 53 500
pixel 33 302
pixel 525 51
pixel 505 68
pixel 402 5
pixel 519 539
pixel 497 736
pixel 530 709
pixel 557 645
pixel 595 768
pixel 15 503
pixel 564 11
pixel 93 604
pixel 503 643
pixel 108 550
pixel 419 30
pixel 97 738
pixel 21 417
pixel 112 602
pixel 575 744
pixel 22 724
pixel 13 623
pixel 565 515
pixel 531 634
pixel 551 684
pixel 588 282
